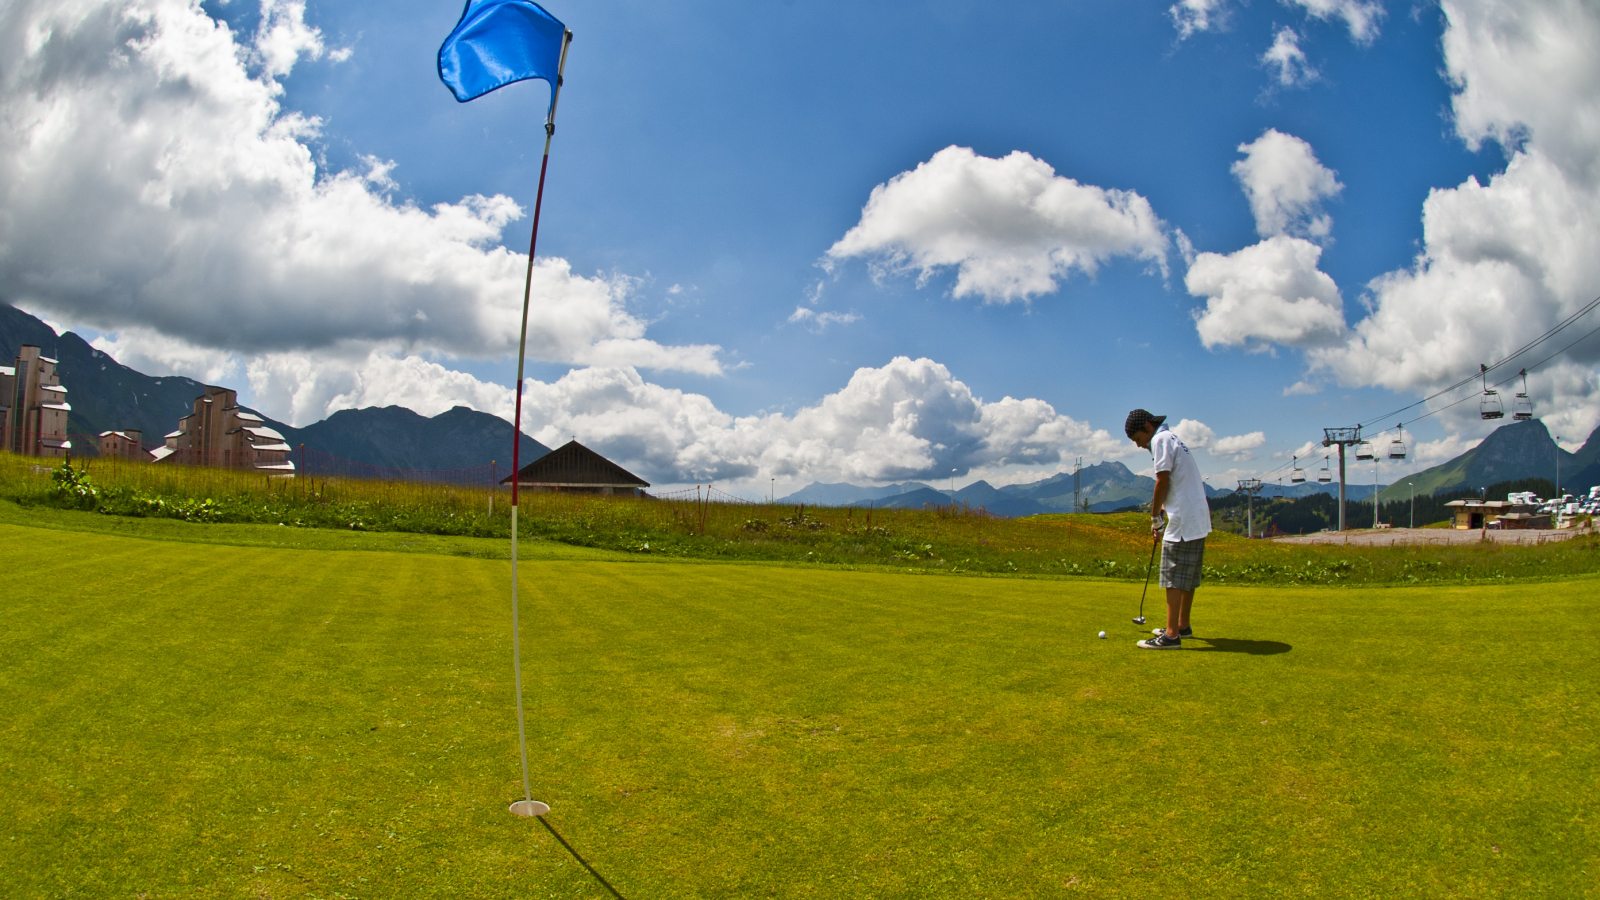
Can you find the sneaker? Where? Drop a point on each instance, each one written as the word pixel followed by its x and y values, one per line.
pixel 1182 632
pixel 1162 642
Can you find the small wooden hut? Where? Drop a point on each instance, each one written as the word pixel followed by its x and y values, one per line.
pixel 574 467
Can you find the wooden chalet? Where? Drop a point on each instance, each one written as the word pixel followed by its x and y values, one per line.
pixel 574 467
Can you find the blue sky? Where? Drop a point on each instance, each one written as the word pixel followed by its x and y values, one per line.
pixel 726 146
pixel 708 155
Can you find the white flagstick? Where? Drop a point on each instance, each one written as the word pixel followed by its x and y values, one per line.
pixel 528 806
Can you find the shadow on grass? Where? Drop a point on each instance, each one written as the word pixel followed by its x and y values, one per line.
pixel 584 862
pixel 1233 645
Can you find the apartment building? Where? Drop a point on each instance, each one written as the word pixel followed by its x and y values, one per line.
pixel 33 406
pixel 219 433
pixel 125 444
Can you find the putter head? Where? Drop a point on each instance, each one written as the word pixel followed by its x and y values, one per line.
pixel 1139 620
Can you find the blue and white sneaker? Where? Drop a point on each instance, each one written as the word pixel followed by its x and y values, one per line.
pixel 1162 642
pixel 1182 632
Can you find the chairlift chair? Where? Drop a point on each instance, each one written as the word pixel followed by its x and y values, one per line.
pixel 1325 474
pixel 1397 447
pixel 1521 406
pixel 1296 474
pixel 1489 404
pixel 1364 450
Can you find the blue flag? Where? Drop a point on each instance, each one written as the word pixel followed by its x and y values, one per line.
pixel 498 42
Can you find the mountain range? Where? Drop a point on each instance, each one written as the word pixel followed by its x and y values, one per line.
pixel 1110 486
pixel 1104 487
pixel 106 395
pixel 818 494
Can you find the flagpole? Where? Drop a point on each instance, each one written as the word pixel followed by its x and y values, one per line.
pixel 528 806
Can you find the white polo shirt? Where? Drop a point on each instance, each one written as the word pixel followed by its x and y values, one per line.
pixel 1188 514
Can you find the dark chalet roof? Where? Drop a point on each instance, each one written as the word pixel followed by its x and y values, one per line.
pixel 574 465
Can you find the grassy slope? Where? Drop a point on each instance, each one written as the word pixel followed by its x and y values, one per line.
pixel 1053 546
pixel 1429 481
pixel 200 720
pixel 63 520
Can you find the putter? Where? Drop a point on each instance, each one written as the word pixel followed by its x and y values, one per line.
pixel 1148 566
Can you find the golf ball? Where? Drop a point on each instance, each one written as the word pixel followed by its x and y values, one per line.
pixel 1102 635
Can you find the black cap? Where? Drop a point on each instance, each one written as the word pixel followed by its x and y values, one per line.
pixel 1140 418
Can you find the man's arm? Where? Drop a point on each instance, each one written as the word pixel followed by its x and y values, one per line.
pixel 1159 501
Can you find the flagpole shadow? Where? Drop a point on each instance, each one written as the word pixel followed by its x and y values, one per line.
pixel 581 861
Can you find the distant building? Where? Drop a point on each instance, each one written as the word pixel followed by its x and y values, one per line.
pixel 33 406
pixel 125 444
pixel 574 467
pixel 1473 514
pixel 219 433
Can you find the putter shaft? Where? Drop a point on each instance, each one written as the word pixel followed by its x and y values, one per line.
pixel 1147 567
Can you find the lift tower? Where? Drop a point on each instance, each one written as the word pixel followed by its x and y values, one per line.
pixel 1342 437
pixel 1252 487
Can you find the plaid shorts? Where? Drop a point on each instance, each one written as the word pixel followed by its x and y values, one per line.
pixel 1180 563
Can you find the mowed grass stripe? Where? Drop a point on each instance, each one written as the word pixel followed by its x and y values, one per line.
pixel 193 720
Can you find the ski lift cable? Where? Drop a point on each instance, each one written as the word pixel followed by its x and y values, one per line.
pixel 1511 379
pixel 1554 330
pixel 1548 358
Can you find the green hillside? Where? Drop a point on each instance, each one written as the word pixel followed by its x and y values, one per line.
pixel 1443 477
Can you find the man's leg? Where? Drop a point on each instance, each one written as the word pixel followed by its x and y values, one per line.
pixel 1177 610
pixel 1196 567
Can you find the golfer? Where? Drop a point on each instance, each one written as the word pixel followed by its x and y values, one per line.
pixel 1180 510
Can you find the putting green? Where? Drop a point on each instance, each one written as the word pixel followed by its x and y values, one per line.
pixel 206 720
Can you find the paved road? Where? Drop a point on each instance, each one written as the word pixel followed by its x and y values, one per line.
pixel 1399 537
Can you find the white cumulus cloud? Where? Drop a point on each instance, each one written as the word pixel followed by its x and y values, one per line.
pixel 1361 17
pixel 1287 61
pixel 1194 434
pixel 1011 227
pixel 1272 292
pixel 1238 446
pixel 1197 435
pixel 1269 292
pixel 150 181
pixel 1194 16
pixel 1286 185
pixel 908 419
pixel 1431 453
pixel 283 37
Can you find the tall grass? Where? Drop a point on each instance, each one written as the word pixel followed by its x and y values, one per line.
pixel 698 523
pixel 706 524
pixel 203 494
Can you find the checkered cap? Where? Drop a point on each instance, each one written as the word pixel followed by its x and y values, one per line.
pixel 1138 419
